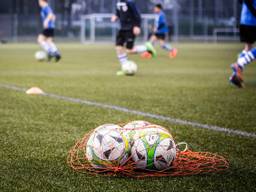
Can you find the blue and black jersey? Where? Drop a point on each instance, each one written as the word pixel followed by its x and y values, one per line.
pixel 45 11
pixel 248 15
pixel 128 14
pixel 161 23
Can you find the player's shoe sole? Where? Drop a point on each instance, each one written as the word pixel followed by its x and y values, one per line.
pixel 237 76
pixel 151 49
pixel 173 53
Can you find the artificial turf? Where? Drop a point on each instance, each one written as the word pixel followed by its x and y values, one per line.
pixel 37 132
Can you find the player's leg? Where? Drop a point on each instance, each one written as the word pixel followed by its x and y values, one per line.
pixel 242 62
pixel 166 46
pixel 147 50
pixel 43 43
pixel 54 52
pixel 122 57
pixel 248 36
pixel 121 50
pixel 121 54
pixel 150 45
pixel 130 41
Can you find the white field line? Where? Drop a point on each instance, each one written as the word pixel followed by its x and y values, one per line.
pixel 228 131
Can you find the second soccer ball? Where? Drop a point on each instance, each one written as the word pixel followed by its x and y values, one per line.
pixel 130 68
pixel 40 56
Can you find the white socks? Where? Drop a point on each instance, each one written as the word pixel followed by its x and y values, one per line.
pixel 45 46
pixel 167 47
pixel 50 48
pixel 246 59
pixel 140 49
pixel 53 48
pixel 123 58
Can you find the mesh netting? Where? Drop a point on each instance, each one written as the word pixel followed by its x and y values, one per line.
pixel 185 163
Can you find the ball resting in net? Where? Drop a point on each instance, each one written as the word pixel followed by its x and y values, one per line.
pixel 139 162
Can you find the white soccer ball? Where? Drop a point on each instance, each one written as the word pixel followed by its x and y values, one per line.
pixel 107 147
pixel 129 68
pixel 153 149
pixel 136 125
pixel 130 129
pixel 40 56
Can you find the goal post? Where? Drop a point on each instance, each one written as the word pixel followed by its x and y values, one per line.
pixel 99 28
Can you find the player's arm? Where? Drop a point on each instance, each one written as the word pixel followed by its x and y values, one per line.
pixel 116 16
pixel 250 6
pixel 136 17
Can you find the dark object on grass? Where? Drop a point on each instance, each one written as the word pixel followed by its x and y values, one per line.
pixel 4 41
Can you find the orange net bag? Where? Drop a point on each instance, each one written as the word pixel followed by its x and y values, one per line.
pixel 185 163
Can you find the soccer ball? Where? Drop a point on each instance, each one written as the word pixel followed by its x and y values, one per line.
pixel 130 68
pixel 153 149
pixel 107 147
pixel 130 129
pixel 40 55
pixel 136 125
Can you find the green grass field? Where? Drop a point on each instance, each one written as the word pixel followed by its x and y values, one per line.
pixel 37 132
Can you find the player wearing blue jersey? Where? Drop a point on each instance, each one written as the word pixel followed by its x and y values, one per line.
pixel 161 31
pixel 248 36
pixel 45 39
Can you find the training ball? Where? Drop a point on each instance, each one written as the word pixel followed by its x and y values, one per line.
pixel 154 149
pixel 131 128
pixel 40 55
pixel 107 147
pixel 129 68
pixel 136 125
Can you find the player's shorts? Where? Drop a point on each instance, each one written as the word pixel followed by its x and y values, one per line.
pixel 160 36
pixel 48 32
pixel 248 34
pixel 125 38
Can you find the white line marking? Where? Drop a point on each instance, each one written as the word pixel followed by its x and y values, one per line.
pixel 140 113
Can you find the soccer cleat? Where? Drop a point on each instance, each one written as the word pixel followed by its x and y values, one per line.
pixel 120 73
pixel 237 76
pixel 151 49
pixel 146 55
pixel 173 53
pixel 57 57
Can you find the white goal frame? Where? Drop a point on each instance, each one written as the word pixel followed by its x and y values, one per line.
pixel 234 31
pixel 90 21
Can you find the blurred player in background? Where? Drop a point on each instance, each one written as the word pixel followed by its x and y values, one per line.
pixel 45 39
pixel 130 19
pixel 248 36
pixel 160 33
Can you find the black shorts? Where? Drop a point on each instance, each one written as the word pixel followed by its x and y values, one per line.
pixel 48 32
pixel 160 36
pixel 125 38
pixel 248 34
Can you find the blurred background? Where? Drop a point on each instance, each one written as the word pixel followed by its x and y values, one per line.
pixel 88 20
